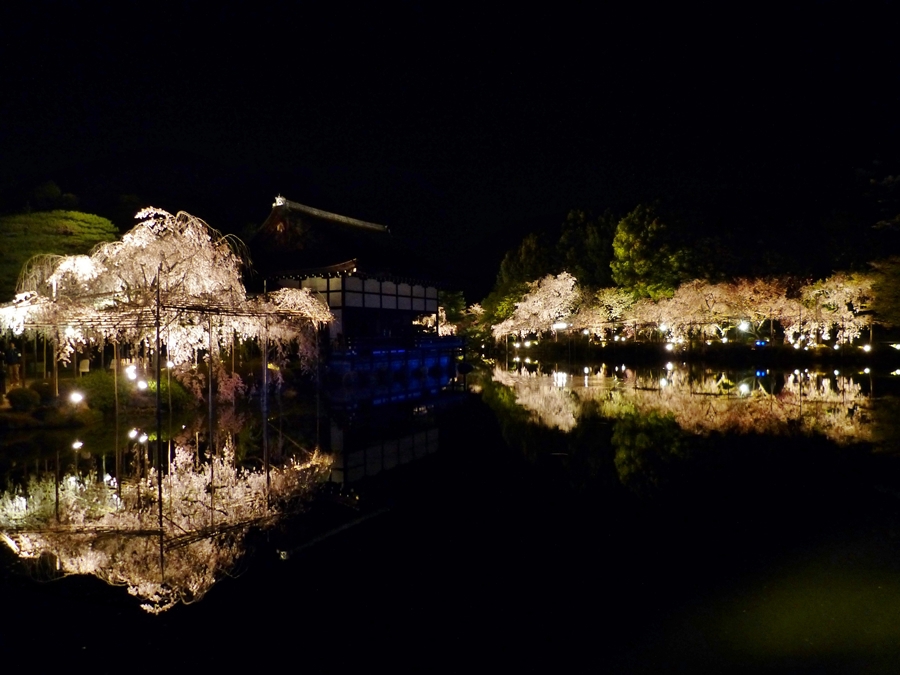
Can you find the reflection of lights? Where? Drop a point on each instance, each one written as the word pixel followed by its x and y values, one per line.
pixel 142 385
pixel 559 379
pixel 669 346
pixel 77 445
pixel 744 388
pixel 133 433
pixel 663 382
pixel 586 370
pixel 76 397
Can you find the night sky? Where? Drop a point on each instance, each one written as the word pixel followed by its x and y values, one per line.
pixel 460 126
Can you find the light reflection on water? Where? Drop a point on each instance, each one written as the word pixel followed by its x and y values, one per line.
pixel 96 508
pixel 168 542
pixel 701 400
pixel 771 497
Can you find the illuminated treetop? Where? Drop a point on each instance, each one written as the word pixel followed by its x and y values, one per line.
pixel 173 271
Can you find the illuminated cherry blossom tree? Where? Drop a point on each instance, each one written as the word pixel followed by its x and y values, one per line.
pixel 547 301
pixel 172 277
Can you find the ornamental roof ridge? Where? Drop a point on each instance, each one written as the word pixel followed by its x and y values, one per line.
pixel 328 215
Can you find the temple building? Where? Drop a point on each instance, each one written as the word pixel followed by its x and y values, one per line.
pixel 374 286
pixel 378 289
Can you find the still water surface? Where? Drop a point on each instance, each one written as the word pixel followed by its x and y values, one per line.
pixel 590 517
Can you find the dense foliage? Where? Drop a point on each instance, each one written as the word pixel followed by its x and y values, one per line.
pixel 642 273
pixel 26 235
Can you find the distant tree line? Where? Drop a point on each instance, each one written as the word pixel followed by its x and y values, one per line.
pixel 648 268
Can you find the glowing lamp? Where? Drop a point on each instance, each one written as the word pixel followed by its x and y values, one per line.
pixel 76 397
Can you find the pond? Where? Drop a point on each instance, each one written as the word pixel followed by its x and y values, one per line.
pixel 624 519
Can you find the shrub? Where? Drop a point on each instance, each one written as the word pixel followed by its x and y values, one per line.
pixel 99 392
pixel 23 400
pixel 44 389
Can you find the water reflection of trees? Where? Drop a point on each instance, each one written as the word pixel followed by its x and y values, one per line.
pixel 701 401
pixel 165 551
pixel 550 405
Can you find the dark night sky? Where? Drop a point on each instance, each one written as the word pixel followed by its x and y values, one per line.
pixel 459 125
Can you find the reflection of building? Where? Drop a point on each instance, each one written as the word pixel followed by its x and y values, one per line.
pixel 375 287
pixel 355 459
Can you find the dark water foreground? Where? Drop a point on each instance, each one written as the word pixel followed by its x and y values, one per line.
pixel 606 543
